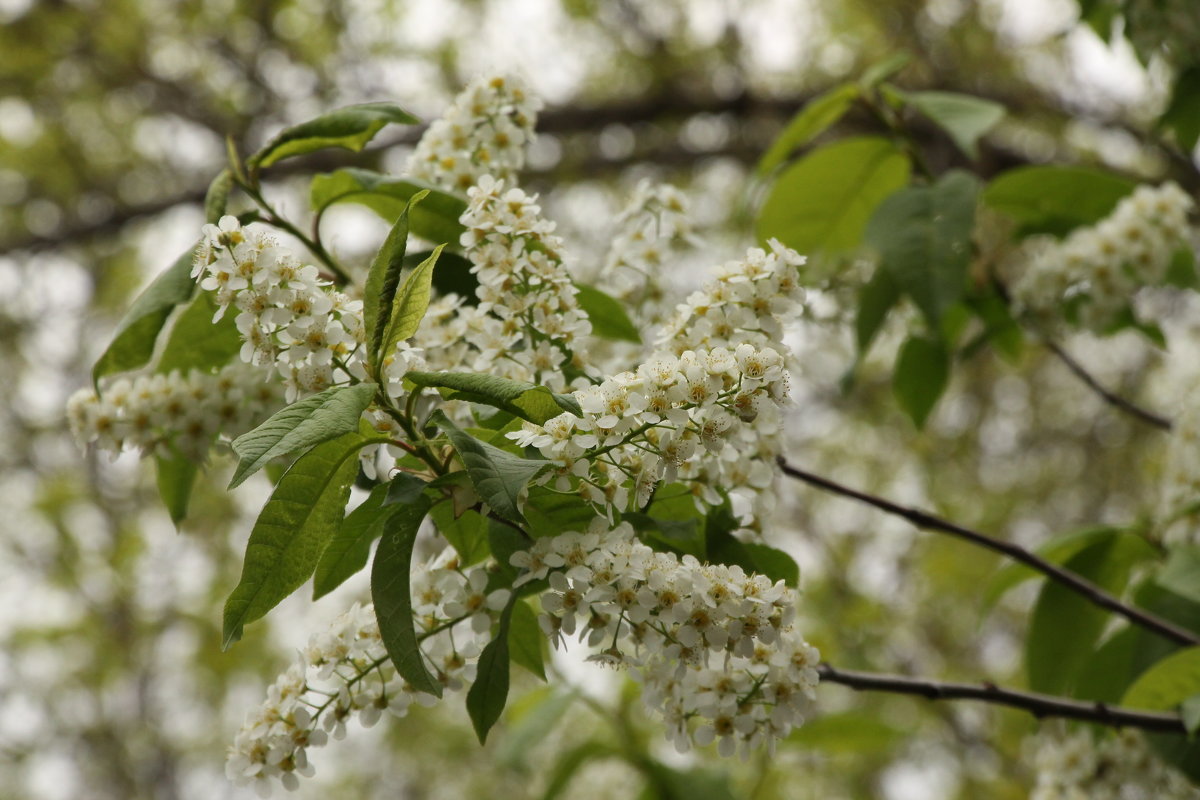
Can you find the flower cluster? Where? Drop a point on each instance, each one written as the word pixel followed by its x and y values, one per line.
pixel 527 318
pixel 345 672
pixel 640 427
pixel 288 315
pixel 172 413
pixel 483 132
pixel 653 225
pixel 1181 477
pixel 714 648
pixel 1116 768
pixel 1097 269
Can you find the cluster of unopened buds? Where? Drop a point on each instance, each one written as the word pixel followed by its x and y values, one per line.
pixel 1117 767
pixel 714 648
pixel 642 426
pixel 1099 268
pixel 172 414
pixel 345 672
pixel 484 131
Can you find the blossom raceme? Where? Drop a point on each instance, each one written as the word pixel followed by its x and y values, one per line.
pixel 1120 766
pixel 714 648
pixel 1097 269
pixel 345 673
pixel 173 413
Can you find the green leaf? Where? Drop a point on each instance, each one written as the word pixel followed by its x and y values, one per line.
pixel 291 532
pixel 453 275
pixel 923 235
pixel 533 717
pixel 404 488
pixel 608 317
pixel 1054 199
pixel 489 694
pixel 196 342
pixel 349 549
pixel 549 513
pixel 810 122
pixel 571 762
pixel 684 537
pixel 1168 683
pixel 315 419
pixel 525 640
pixel 921 374
pixel 499 477
pixel 216 199
pixel 964 117
pixel 410 305
pixel 468 534
pixel 392 595
pixel 999 326
pixel 721 547
pixel 773 562
pixel 133 343
pixel 1106 675
pixel 822 202
pixel 1057 551
pixel 1181 574
pixel 876 299
pixel 383 279
pixel 850 732
pixel 436 220
pixel 519 398
pixel 1182 270
pixel 884 69
pixel 1182 116
pixel 1064 625
pixel 349 128
pixel 175 476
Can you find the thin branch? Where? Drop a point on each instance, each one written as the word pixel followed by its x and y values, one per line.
pixel 1040 705
pixel 1072 581
pixel 1115 400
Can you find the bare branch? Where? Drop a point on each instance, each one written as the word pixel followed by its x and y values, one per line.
pixel 1072 581
pixel 1040 705
pixel 1114 400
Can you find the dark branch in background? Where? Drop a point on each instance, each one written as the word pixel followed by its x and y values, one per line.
pixel 1069 579
pixel 1114 400
pixel 1040 705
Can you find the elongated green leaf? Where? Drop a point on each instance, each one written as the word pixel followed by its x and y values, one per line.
pixel 304 512
pixel 883 69
pixel 436 220
pixel 453 275
pixel 349 549
pixel 217 197
pixel 923 235
pixel 878 296
pixel 349 128
pixel 1168 683
pixel 499 477
pixel 1181 574
pixel 810 122
pixel 519 398
pixel 488 695
pixel 1053 199
pixel 1064 626
pixel 570 762
pixel 533 717
pixel 1111 668
pixel 1057 551
pixel 608 318
pixel 176 476
pixel 1182 116
pixel 685 537
pixel 525 640
pixel 196 342
pixel 404 488
pixel 468 534
pixel 315 419
pixel 965 117
pixel 921 374
pixel 409 306
pixel 722 547
pixel 549 513
pixel 391 593
pixel 382 281
pixel 822 202
pixel 133 343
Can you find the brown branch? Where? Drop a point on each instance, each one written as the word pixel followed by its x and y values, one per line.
pixel 1113 399
pixel 1040 705
pixel 1072 581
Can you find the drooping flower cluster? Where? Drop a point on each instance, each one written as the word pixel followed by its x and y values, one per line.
pixel 1119 767
pixel 1096 270
pixel 173 413
pixel 639 428
pixel 654 224
pixel 714 648
pixel 527 319
pixel 484 132
pixel 288 316
pixel 345 672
